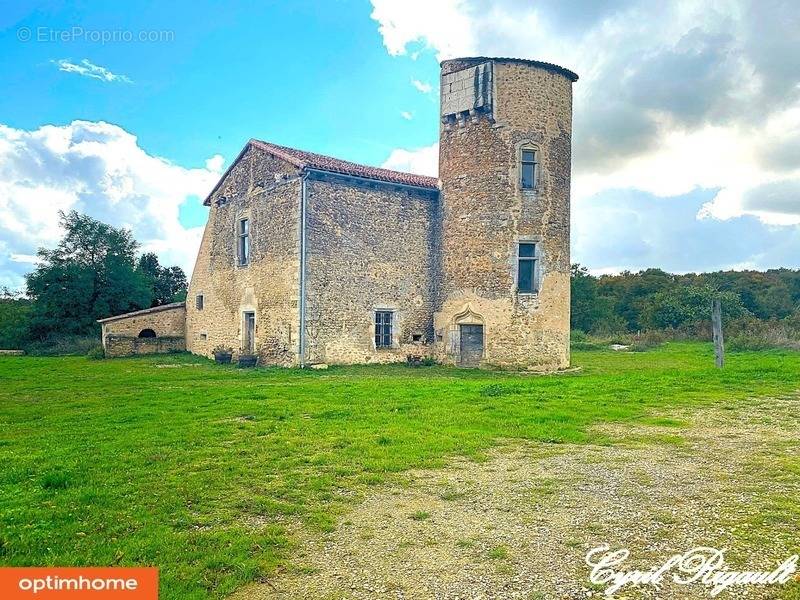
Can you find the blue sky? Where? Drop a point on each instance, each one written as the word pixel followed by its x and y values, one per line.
pixel 687 138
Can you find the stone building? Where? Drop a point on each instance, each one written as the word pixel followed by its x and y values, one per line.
pixel 311 259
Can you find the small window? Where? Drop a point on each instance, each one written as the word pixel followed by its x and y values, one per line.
pixel 416 338
pixel 529 168
pixel 244 241
pixel 147 333
pixel 203 337
pixel 383 329
pixel 198 302
pixel 527 268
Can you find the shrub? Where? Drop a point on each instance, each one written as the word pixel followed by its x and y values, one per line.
pixel 649 339
pixel 96 352
pixel 754 334
pixel 62 345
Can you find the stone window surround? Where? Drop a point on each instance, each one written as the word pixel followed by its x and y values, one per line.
pixel 199 300
pixel 395 328
pixel 539 271
pixel 241 216
pixel 528 144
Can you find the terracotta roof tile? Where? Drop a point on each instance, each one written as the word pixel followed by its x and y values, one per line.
pixel 312 160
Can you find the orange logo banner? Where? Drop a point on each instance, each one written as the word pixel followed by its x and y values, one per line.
pixel 78 583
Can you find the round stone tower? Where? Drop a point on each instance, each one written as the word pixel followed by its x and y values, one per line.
pixel 504 164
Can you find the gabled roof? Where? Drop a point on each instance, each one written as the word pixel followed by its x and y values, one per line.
pixel 319 162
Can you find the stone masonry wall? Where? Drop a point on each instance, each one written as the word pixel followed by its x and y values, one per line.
pixel 369 247
pixel 121 335
pixel 267 191
pixel 124 345
pixel 485 213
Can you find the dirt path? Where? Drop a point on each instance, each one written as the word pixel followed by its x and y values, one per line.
pixel 519 525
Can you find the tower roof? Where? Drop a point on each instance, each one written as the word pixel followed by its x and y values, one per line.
pixel 571 75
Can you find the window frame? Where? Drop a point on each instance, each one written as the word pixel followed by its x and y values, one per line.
pixel 243 241
pixel 536 167
pixel 199 302
pixel 386 330
pixel 534 260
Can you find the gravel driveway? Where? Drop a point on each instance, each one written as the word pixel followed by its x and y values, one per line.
pixel 519 524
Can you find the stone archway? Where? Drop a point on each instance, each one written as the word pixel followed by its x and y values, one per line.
pixel 470 334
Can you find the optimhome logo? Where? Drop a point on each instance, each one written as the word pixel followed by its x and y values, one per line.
pixel 73 583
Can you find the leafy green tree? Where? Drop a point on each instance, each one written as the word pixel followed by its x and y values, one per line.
pixel 90 275
pixel 689 304
pixel 588 310
pixel 14 317
pixel 168 283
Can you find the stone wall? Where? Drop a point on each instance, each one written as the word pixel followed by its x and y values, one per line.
pixel 120 334
pixel 267 192
pixel 369 247
pixel 124 345
pixel 485 213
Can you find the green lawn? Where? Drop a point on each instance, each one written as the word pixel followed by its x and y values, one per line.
pixel 176 462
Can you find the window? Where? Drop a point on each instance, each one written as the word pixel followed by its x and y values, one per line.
pixel 244 241
pixel 527 268
pixel 198 302
pixel 383 329
pixel 530 168
pixel 147 333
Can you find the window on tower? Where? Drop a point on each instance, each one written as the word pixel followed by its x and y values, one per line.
pixel 529 168
pixel 527 268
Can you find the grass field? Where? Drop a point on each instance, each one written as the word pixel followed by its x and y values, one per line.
pixel 176 462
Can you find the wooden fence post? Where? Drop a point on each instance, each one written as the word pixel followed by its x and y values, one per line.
pixel 716 325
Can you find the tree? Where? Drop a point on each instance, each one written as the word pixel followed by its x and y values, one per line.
pixel 14 315
pixel 688 305
pixel 167 283
pixel 88 276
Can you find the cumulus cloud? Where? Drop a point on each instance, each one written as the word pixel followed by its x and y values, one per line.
pixel 423 161
pixel 673 96
pixel 99 169
pixel 88 69
pixel 406 115
pixel 422 86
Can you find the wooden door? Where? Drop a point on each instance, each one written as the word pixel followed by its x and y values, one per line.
pixel 471 345
pixel 249 333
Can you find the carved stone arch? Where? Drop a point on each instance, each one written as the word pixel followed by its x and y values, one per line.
pixel 468 317
pixel 469 337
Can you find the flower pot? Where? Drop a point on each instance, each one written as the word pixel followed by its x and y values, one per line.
pixel 223 359
pixel 248 360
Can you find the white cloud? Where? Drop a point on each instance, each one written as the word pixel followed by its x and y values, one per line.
pixel 99 169
pixel 422 86
pixel 672 97
pixel 88 69
pixel 406 115
pixel 423 161
pixel 440 24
